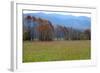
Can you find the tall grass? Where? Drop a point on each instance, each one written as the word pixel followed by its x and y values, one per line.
pixel 37 51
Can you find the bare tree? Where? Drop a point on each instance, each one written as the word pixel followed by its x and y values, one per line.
pixel 88 33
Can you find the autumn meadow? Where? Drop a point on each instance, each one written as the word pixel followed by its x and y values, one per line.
pixel 52 36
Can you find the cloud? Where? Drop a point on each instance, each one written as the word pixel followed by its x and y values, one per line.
pixel 62 13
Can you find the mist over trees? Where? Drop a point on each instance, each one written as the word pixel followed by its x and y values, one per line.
pixel 43 30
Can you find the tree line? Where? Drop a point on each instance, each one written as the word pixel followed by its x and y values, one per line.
pixel 43 30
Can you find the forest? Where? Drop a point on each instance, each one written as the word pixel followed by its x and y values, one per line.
pixel 39 29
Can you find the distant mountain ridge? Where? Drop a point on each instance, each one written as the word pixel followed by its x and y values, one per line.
pixel 78 22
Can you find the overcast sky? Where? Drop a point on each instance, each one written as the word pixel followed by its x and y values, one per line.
pixel 63 13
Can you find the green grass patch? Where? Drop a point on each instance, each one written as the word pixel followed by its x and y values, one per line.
pixel 38 51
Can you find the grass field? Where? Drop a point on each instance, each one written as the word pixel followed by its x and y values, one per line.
pixel 56 50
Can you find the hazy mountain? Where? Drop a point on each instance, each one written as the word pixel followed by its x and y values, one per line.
pixel 79 22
